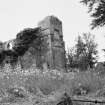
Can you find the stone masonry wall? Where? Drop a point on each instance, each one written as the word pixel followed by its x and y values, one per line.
pixel 52 27
pixel 54 55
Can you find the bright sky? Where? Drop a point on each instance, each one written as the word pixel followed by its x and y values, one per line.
pixel 15 15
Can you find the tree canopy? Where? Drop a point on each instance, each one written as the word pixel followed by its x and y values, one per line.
pixel 84 53
pixel 97 10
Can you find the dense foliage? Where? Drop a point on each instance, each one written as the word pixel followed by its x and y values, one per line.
pixel 24 38
pixel 84 53
pixel 97 10
pixel 21 44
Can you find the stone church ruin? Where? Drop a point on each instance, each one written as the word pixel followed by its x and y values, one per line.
pixel 42 47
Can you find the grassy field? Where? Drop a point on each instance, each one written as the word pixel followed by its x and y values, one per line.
pixel 36 87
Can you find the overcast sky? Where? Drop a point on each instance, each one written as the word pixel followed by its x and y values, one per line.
pixel 15 15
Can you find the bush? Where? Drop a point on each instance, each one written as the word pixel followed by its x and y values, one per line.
pixel 16 92
pixel 84 81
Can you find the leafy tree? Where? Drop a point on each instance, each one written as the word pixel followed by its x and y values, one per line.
pixel 80 46
pixel 91 48
pixel 97 10
pixel 85 54
pixel 70 57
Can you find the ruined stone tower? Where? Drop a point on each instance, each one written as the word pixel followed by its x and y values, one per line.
pixel 51 57
pixel 52 31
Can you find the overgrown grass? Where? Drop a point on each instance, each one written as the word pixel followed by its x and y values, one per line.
pixel 37 82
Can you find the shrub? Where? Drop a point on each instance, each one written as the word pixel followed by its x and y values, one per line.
pixel 84 81
pixel 16 92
